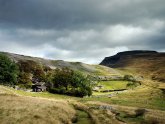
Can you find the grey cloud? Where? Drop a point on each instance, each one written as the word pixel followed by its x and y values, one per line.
pixel 81 30
pixel 77 13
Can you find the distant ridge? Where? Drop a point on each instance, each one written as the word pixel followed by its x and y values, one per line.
pixel 112 60
pixel 145 62
pixel 134 52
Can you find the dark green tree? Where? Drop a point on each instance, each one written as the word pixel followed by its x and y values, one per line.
pixel 8 70
pixel 70 82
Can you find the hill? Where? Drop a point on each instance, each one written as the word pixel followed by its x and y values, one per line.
pixel 149 64
pixel 53 64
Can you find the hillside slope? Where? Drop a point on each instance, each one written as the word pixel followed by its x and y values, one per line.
pixel 150 64
pixel 53 64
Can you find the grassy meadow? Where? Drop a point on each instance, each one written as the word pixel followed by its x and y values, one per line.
pixel 17 109
pixel 23 107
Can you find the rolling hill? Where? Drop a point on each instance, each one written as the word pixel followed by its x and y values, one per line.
pixel 98 70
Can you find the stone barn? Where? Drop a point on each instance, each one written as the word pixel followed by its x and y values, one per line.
pixel 39 87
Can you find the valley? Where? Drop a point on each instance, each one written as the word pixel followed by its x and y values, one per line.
pixel 125 91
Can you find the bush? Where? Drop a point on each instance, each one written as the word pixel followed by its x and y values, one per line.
pixel 129 78
pixel 61 90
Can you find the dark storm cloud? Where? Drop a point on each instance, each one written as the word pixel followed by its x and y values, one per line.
pixel 81 30
pixel 73 13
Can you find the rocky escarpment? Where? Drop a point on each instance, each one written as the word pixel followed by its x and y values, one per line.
pixel 147 63
pixel 121 58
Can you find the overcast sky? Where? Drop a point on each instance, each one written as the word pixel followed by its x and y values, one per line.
pixel 81 30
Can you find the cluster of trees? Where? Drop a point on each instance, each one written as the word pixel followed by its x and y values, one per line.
pixel 30 72
pixel 66 81
pixel 62 81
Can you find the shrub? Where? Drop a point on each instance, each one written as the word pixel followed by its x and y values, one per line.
pixel 128 78
pixel 61 90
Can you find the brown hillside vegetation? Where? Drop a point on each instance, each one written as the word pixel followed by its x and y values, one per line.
pixel 27 110
pixel 30 63
pixel 149 64
pixel 21 110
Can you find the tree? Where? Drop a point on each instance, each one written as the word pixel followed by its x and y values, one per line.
pixel 129 78
pixel 30 71
pixel 39 73
pixel 24 80
pixel 8 70
pixel 70 82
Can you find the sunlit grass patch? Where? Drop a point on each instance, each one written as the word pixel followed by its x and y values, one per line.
pixel 113 85
pixel 18 109
pixel 139 97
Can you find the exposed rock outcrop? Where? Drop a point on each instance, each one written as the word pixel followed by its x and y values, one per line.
pixel 146 63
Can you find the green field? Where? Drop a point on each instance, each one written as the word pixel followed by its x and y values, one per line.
pixel 113 85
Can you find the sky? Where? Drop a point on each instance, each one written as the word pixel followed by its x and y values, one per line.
pixel 81 30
